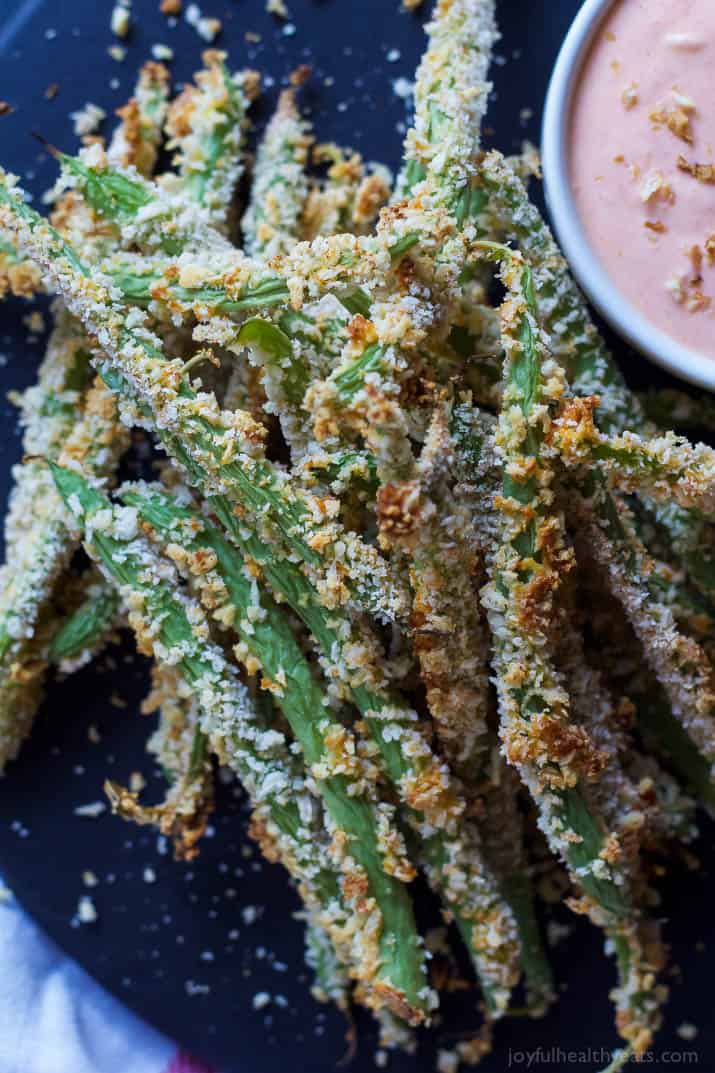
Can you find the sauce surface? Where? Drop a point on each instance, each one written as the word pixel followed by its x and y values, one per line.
pixel 642 136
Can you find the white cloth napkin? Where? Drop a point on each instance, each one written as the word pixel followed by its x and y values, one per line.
pixel 55 1019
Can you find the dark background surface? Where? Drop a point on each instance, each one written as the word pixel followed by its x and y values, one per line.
pixel 180 949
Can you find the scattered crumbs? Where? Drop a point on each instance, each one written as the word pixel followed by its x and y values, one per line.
pixel 234 934
pixel 207 28
pixel 116 701
pixel 616 66
pixel 170 7
pixel 50 34
pixel 5 108
pixel 329 81
pixel 381 1057
pixel 447 1061
pixel 619 159
pixel 704 173
pixel 249 914
pixel 52 90
pixel 280 966
pixel 402 87
pixel 289 29
pixel 114 83
pixel 91 811
pixel 88 119
pixel 654 185
pixel 117 52
pixel 210 831
pixel 149 875
pixel 207 955
pixel 34 322
pixel 86 912
pixel 526 115
pixel 656 225
pixel 281 1001
pixel 675 288
pixel 252 37
pixel 192 988
pixel 89 879
pixel 162 846
pixel 137 782
pixel 162 52
pixel 411 5
pixel 687 1031
pixel 393 55
pixel 277 8
pixel 676 118
pixel 610 36
pixel 629 96
pixel 709 245
pixel 120 19
pixel 260 1000
pixel 93 734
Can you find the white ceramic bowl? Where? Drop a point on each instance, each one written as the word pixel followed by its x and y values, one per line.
pixel 624 317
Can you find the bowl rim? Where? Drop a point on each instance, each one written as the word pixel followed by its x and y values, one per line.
pixel 593 278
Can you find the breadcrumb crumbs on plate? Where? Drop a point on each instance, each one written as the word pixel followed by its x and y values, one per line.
pixel 6 108
pixel 137 782
pixel 88 119
pixel 117 53
pixel 91 811
pixel 89 879
pixel 86 911
pixel 206 27
pixel 120 20
pixel 170 7
pixel 162 52
pixel 687 1031
pixel 260 1000
pixel 277 8
pixel 149 875
pixel 34 322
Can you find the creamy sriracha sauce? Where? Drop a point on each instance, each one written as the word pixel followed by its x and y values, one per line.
pixel 642 160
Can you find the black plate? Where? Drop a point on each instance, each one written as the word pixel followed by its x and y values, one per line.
pixel 181 950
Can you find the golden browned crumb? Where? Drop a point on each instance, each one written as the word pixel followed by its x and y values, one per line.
pixel 704 173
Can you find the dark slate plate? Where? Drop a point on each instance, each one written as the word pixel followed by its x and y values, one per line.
pixel 189 950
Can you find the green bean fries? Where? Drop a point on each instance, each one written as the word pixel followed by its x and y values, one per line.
pixel 384 508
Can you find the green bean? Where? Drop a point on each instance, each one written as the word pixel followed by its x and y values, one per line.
pixel 280 185
pixel 172 626
pixel 85 631
pixel 137 139
pixel 665 467
pixel 206 126
pixel 267 644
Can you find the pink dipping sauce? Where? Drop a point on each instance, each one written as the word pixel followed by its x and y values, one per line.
pixel 645 98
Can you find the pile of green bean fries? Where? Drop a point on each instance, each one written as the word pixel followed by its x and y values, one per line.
pixel 417 567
